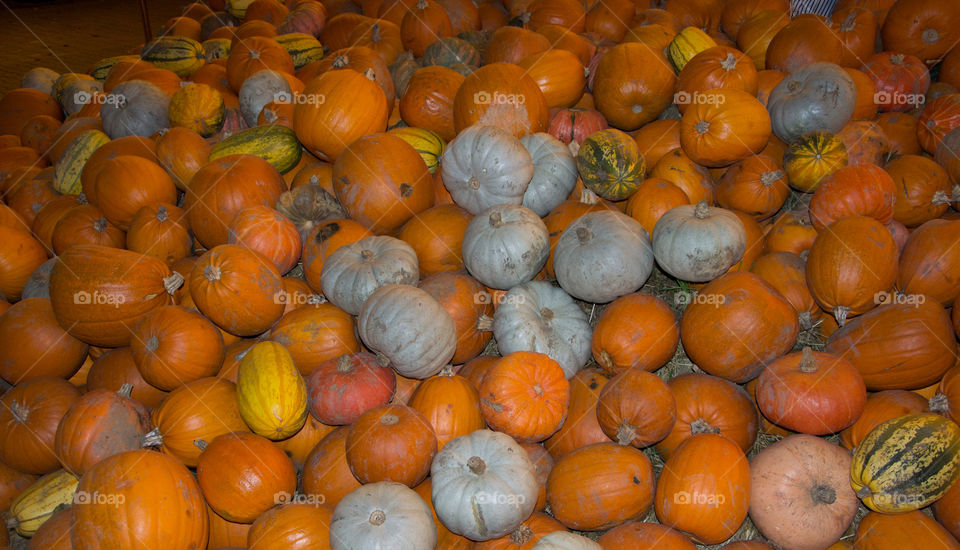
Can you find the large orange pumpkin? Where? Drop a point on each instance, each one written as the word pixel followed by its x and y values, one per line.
pixel 29 415
pixel 807 38
pixel 428 100
pixel 173 345
pixel 581 427
pixel 326 473
pixel 264 230
pixel 33 344
pixel 161 231
pixel 450 403
pixel 254 54
pixel 726 126
pixel 929 260
pixel 632 85
pixel 502 95
pixel 391 443
pixel 314 334
pixel 525 395
pixel 635 331
pixel 458 293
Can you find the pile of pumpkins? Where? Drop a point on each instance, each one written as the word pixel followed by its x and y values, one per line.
pixel 551 274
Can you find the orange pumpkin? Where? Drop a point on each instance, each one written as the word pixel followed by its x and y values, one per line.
pixel 786 272
pixel 901 132
pixel 314 334
pixel 29 415
pixel 909 530
pixel 656 139
pixel 264 230
pixel 256 53
pixel 729 125
pixel 807 38
pixel 862 190
pixel 529 384
pixel 428 100
pixel 636 331
pixel 736 12
pixel 85 224
pixel 645 536
pixel 559 74
pixel 790 232
pixel 510 44
pixel 652 199
pixel 458 293
pixel 182 153
pixel 632 85
pixel 581 427
pixel 450 403
pixel 35 346
pixel 717 67
pixel 502 95
pixel 436 235
pixel 116 368
pixel 324 240
pixel 173 345
pixel 923 189
pixel 131 182
pixel 636 408
pixel 756 185
pixel 391 443
pixel 928 261
pixel 161 231
pixel 880 407
pixel 757 32
pixel 692 178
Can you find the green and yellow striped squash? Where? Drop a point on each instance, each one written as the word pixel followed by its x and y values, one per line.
pixel 102 68
pixel 303 48
pixel 427 142
pixel 179 54
pixel 64 80
pixel 216 48
pixel 66 173
pixel 238 8
pixel 610 164
pixel 906 463
pixel 273 143
pixel 41 500
pixel 686 44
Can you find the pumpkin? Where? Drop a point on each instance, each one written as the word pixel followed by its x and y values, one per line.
pixel 20 255
pixel 116 178
pixel 851 261
pixel 900 79
pixel 436 236
pixel 866 107
pixel 381 36
pixel 944 400
pixel 588 242
pixel 271 393
pixel 581 427
pixel 786 272
pixel 161 231
pixel 636 408
pixel 689 42
pixel 636 331
pixel 880 407
pixel 813 157
pixel 819 96
pixel 54 533
pixel 423 24
pixel 698 243
pixel 923 189
pixel 510 44
pixel 539 317
pixel 264 230
pixel 730 309
pixel 527 535
pixel 707 404
pixel 298 332
pixel 554 173
pixel 920 448
pixel 198 410
pixel 505 245
pixel 34 345
pixel 34 506
pixel 135 480
pixel 632 85
pixel 620 476
pixel 926 260
pixel 229 270
pixel 383 515
pixel 717 67
pixel 800 495
pixel 323 240
pixel 116 368
pixel 807 39
pixel 897 345
pixel 610 164
pixel 757 31
pixel 182 153
pixel 559 74
pixel 857 27
pixel 811 392
pixel 391 443
pixel 917 28
pixel 326 473
pixel 294 525
pixel 428 100
pixel 224 533
pixel 485 166
pixel 755 185
pixel 354 271
pixel 865 142
pixel 790 232
pixel 502 95
pixel 468 303
pixel 893 531
pixel 450 403
pixel 382 182
pixel 652 199
pixel 575 125
pixel 85 224
pixel 299 446
pixel 529 383
pixel 944 509
pixel 31 412
pixel 135 108
pixel 173 345
pixel 901 131
pixel 241 475
pixel 343 388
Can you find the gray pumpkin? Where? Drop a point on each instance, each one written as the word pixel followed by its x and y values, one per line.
pixel 602 256
pixel 818 96
pixel 40 78
pixel 409 327
pixel 261 88
pixel 384 515
pixel 135 108
pixel 485 166
pixel 538 316
pixel 354 271
pixel 698 243
pixel 554 173
pixel 505 245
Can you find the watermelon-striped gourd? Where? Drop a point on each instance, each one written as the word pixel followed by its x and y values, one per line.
pixel 179 54
pixel 273 143
pixel 66 173
pixel 427 142
pixel 101 68
pixel 303 48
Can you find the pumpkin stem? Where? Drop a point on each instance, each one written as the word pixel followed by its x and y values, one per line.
pixel 389 419
pixel 701 426
pixel 100 225
pixel 473 183
pixel 173 282
pixel 703 127
pixel 446 371
pixel 546 314
pixel 589 197
pixel 806 320
pixel 940 197
pixel 382 359
pixel 316 299
pixel 340 61
pixel 847 24
pixel 729 63
pixel 484 323
pixel 421 5
pixel 583 235
pixel 82 199
pixel 940 404
pixel 476 465
pixel 840 314
pixel 375 32
pixel 864 492
pixel 254 54
pixel 370 75
pixel 930 36
pixel 522 535
pixel 211 273
pixel 20 411
pixel 701 210
pixel 896 59
pixel 626 433
pixel 162 214
pixel 378 517
pixel 768 178
pixel 344 363
pixel 200 444
pixel 605 360
pixel 405 190
pixel 807 363
pixel 823 494
pixel 496 220
pixel 153 438
pixel 12 523
pixel 366 255
pixel 125 390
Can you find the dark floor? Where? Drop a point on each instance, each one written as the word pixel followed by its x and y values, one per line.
pixel 71 35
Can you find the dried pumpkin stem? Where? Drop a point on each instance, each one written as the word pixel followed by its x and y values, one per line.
pixel 484 323
pixel 840 314
pixel 701 426
pixel 476 465
pixel 940 403
pixel 200 444
pixel 378 517
pixel 583 235
pixel 153 438
pixel 823 494
pixel 174 282
pixel 701 210
pixel 807 363
pixel 162 214
pixel 626 433
pixel 344 363
pixel 522 535
pixel 19 411
pixel 125 390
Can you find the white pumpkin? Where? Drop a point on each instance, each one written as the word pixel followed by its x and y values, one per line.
pixel 40 78
pixel 537 316
pixel 505 245
pixel 563 540
pixel 135 108
pixel 409 327
pixel 698 243
pixel 355 270
pixel 554 173
pixel 261 88
pixel 485 166
pixel 484 485
pixel 383 516
pixel 602 256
